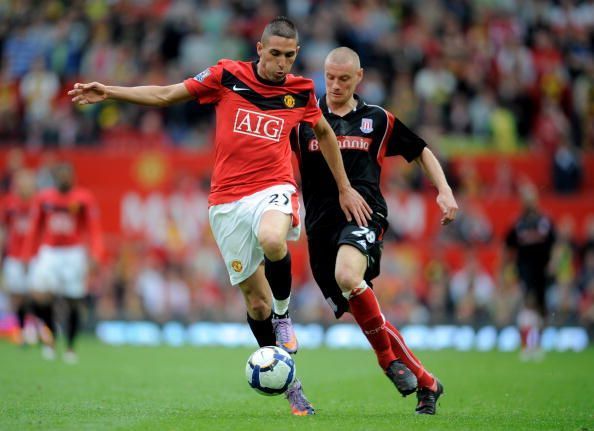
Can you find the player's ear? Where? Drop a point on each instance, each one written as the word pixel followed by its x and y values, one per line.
pixel 359 76
pixel 297 50
pixel 259 48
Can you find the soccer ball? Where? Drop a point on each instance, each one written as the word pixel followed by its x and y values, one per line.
pixel 270 370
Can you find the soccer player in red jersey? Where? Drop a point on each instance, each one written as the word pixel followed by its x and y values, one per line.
pixel 344 255
pixel 16 212
pixel 253 197
pixel 63 219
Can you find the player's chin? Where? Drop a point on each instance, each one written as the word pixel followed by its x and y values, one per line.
pixel 337 98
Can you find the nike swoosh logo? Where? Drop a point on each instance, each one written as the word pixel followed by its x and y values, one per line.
pixel 236 88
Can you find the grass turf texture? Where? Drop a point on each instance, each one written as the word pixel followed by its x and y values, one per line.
pixel 189 388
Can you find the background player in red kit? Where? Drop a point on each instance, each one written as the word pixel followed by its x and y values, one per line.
pixel 344 255
pixel 253 198
pixel 16 211
pixel 63 219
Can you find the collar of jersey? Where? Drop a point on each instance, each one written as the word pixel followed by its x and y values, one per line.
pixel 324 106
pixel 264 80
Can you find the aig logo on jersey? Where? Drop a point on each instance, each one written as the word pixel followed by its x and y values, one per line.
pixel 257 124
pixel 366 125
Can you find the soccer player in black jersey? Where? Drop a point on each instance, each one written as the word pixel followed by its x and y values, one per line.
pixel 529 242
pixel 345 256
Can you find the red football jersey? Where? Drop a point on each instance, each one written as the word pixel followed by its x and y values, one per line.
pixel 254 118
pixel 64 219
pixel 16 219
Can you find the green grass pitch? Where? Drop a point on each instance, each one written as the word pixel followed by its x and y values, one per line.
pixel 190 388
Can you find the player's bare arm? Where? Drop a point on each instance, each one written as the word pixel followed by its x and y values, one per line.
pixel 351 202
pixel 445 197
pixel 151 95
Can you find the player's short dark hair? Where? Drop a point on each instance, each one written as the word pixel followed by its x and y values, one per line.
pixel 280 26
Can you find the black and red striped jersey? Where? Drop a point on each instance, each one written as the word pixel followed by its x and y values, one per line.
pixel 254 118
pixel 366 135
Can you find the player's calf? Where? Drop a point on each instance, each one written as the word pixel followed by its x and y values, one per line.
pixel 278 274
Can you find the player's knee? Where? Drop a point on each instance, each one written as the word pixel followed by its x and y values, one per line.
pixel 258 308
pixel 274 244
pixel 347 279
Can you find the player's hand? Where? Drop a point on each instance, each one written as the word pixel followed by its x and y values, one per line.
pixel 85 94
pixel 448 206
pixel 354 206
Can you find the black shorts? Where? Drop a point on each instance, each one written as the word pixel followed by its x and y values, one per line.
pixel 534 283
pixel 323 248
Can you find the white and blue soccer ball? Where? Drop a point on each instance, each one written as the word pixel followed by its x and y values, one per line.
pixel 270 370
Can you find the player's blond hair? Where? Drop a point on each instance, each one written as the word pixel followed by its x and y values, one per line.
pixel 343 55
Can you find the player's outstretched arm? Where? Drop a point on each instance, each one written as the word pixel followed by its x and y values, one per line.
pixel 445 198
pixel 352 203
pixel 151 95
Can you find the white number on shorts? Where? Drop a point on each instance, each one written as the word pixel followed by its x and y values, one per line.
pixel 275 199
pixel 369 234
pixel 361 232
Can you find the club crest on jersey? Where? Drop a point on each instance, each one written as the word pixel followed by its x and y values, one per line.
pixel 202 75
pixel 366 125
pixel 289 101
pixel 237 266
pixel 258 124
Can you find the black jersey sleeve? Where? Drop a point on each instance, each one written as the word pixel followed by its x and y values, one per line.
pixel 402 141
pixel 294 139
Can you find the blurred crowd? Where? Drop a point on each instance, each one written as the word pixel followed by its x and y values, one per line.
pixel 498 75
pixel 502 72
pixel 165 265
pixel 186 280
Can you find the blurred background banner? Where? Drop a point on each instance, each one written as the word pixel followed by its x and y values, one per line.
pixel 502 91
pixel 338 336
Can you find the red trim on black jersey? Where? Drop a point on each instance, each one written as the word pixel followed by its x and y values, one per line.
pixel 381 153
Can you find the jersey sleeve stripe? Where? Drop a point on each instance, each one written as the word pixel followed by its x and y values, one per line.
pixel 381 152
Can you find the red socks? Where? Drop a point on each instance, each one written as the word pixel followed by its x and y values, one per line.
pixel 367 313
pixel 407 357
pixel 529 337
pixel 386 340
